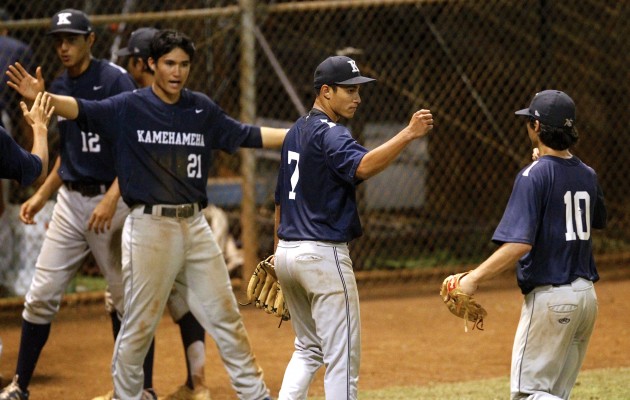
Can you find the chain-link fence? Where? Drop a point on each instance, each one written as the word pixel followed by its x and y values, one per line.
pixel 473 63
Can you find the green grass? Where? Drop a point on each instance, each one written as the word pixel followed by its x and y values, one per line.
pixel 602 384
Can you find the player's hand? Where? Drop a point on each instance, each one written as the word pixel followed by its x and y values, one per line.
pixel 535 154
pixel 24 83
pixel 101 218
pixel 41 111
pixel 421 123
pixel 31 207
pixel 468 285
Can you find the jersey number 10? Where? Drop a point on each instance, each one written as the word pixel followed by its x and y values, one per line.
pixel 577 207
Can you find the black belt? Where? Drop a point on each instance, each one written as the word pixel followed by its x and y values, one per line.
pixel 88 189
pixel 175 211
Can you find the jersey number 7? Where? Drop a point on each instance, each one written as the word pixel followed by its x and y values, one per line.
pixel 293 156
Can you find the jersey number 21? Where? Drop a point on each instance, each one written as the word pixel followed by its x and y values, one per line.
pixel 90 142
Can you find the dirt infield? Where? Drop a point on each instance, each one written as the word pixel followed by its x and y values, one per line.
pixel 408 339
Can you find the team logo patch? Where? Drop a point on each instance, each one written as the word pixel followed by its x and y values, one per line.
pixel 64 18
pixel 564 321
pixel 353 64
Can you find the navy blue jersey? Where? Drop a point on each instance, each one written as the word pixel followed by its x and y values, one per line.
pixel 17 163
pixel 554 205
pixel 85 157
pixel 164 150
pixel 316 182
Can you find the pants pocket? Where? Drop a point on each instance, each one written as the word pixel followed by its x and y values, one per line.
pixel 306 258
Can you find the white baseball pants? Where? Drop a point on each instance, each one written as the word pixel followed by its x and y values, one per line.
pixel 157 253
pixel 321 292
pixel 68 242
pixel 551 340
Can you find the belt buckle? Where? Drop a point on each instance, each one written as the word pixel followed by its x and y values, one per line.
pixel 184 211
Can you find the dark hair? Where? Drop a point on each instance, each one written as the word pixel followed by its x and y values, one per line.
pixel 136 59
pixel 558 138
pixel 167 40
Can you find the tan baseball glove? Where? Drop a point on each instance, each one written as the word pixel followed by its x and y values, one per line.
pixel 461 304
pixel 264 291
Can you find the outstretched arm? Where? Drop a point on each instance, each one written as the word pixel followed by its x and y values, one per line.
pixel 34 204
pixel 38 118
pixel 272 138
pixel 501 260
pixel 379 158
pixel 29 86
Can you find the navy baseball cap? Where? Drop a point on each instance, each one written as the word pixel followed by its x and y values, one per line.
pixel 339 70
pixel 70 21
pixel 551 107
pixel 139 43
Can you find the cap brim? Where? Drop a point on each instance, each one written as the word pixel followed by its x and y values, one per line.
pixel 123 52
pixel 356 81
pixel 524 111
pixel 78 32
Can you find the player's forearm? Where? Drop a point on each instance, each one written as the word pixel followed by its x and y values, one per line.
pixel 500 261
pixel 114 189
pixel 381 157
pixel 65 106
pixel 40 149
pixel 276 224
pixel 113 193
pixel 272 138
pixel 52 183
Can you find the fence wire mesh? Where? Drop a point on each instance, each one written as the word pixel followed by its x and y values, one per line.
pixel 473 63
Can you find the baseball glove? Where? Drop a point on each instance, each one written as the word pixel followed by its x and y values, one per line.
pixel 461 304
pixel 264 291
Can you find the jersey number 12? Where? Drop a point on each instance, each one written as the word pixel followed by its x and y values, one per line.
pixel 578 207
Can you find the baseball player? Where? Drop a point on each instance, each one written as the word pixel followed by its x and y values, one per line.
pixel 555 203
pixel 136 60
pixel 89 213
pixel 316 217
pixel 164 135
pixel 11 51
pixel 17 163
pixel 136 56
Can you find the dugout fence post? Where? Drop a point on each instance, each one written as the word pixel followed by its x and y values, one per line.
pixel 247 85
